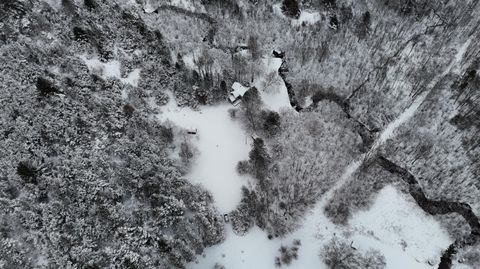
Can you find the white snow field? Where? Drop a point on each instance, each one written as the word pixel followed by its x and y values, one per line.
pixel 395 225
pixel 399 221
pixel 275 98
pixel 400 229
pixel 222 143
pixel 111 70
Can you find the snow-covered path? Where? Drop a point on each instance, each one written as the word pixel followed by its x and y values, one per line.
pixel 407 236
pixel 388 131
pixel 399 231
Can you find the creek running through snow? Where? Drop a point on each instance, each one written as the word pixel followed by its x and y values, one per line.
pixel 408 237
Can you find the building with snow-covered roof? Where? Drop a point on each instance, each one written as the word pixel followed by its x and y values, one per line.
pixel 278 53
pixel 238 90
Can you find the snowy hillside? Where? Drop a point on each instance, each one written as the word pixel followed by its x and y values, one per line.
pixel 239 134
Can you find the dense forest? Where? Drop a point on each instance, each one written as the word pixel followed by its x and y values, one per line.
pixel 89 177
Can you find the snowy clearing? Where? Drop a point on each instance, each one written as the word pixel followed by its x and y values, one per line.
pixel 111 70
pixel 255 250
pixel 190 59
pixel 271 87
pixel 389 222
pixel 307 18
pixel 222 144
pixel 400 222
pixel 387 226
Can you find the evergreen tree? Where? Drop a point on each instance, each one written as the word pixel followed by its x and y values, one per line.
pixel 259 159
pixel 291 9
pixel 271 122
pixel 254 47
pixel 251 105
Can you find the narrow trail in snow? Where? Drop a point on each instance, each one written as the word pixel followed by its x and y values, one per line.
pixel 432 206
pixel 437 207
pixel 367 134
pixel 408 113
pixel 388 132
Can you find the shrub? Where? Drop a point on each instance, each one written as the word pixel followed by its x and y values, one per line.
pixel 80 34
pixel 333 22
pixel 167 134
pixel 45 87
pixel 27 172
pixel 363 26
pixel 90 4
pixel 218 266
pixel 330 3
pixel 339 254
pixel 271 122
pixel 186 152
pixel 288 254
pixel 259 159
pixel 128 110
pixel 243 216
pixel 243 167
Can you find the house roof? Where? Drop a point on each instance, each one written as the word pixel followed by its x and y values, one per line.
pixel 238 89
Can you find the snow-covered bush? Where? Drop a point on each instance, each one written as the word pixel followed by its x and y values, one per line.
pixel 243 217
pixel 288 254
pixel 339 254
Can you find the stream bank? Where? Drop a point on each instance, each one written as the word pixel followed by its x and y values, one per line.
pixel 437 207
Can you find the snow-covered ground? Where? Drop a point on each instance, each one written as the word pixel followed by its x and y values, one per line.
pixel 307 18
pixel 222 143
pixel 271 86
pixel 111 70
pixel 394 225
pixel 191 59
pixel 188 5
pixel 398 221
